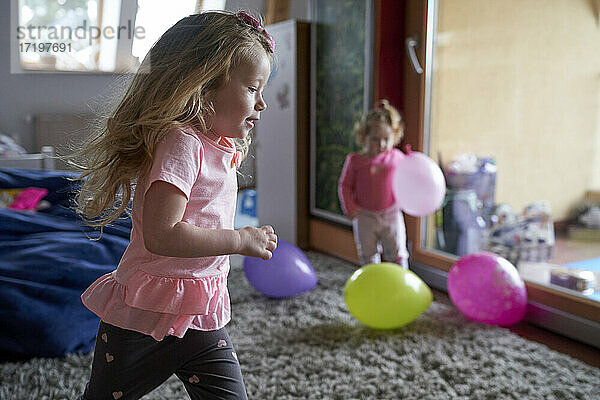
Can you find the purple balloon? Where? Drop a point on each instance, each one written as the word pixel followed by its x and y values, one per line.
pixel 487 288
pixel 288 273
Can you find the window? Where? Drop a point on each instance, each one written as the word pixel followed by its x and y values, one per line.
pixel 49 37
pixel 156 20
pixel 93 35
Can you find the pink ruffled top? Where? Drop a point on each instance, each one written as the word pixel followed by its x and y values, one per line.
pixel 158 295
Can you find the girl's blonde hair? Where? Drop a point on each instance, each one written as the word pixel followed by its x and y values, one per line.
pixel 383 112
pixel 182 70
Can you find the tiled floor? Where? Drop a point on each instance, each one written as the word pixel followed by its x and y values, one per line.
pixel 565 251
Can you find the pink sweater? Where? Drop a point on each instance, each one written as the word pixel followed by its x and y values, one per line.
pixel 367 182
pixel 158 295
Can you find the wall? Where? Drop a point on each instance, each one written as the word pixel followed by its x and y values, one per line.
pixel 519 81
pixel 23 95
pixel 595 164
pixel 299 9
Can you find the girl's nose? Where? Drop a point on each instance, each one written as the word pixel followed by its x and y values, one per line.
pixel 261 105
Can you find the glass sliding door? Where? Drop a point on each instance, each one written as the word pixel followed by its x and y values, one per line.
pixel 510 108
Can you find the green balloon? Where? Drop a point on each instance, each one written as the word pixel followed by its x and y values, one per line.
pixel 386 296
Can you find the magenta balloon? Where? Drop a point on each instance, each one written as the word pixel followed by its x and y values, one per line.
pixel 419 185
pixel 487 288
pixel 288 273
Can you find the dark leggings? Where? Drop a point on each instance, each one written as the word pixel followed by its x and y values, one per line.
pixel 128 364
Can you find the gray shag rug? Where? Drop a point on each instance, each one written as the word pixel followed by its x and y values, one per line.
pixel 310 347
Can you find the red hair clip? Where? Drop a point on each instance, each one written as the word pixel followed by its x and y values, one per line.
pixel 253 22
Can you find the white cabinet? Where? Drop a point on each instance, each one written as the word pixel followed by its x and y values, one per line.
pixel 282 134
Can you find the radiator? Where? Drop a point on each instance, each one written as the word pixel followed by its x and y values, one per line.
pixel 43 160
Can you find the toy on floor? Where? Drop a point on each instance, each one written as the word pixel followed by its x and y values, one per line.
pixel 487 288
pixel 288 273
pixel 528 236
pixel 419 184
pixel 386 296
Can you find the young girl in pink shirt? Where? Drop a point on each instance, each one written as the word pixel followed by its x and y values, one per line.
pixel 365 187
pixel 173 140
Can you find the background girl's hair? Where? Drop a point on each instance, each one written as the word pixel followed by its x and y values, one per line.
pixel 383 112
pixel 190 61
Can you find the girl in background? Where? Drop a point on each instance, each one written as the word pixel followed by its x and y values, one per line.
pixel 365 187
pixel 174 137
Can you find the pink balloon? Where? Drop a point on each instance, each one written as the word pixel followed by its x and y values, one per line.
pixel 419 184
pixel 487 288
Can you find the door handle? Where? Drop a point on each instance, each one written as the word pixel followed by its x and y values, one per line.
pixel 411 44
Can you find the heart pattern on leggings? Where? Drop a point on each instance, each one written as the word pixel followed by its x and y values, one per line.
pixel 117 395
pixel 194 379
pixel 109 357
pixel 222 343
pixel 104 337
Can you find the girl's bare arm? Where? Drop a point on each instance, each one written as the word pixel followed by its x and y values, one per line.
pixel 166 234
